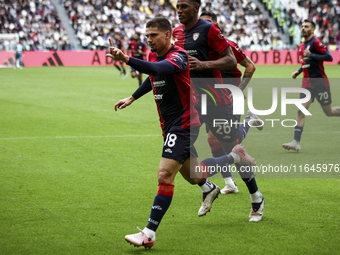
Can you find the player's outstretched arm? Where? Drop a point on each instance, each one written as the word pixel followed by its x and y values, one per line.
pixel 248 73
pixel 160 68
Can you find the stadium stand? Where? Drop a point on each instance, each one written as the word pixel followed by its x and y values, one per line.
pixel 326 15
pixel 244 23
pixel 96 20
pixel 35 21
pixel 254 25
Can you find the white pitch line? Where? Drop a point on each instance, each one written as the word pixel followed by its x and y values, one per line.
pixel 124 136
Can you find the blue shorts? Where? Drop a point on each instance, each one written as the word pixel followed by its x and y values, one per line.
pixel 226 129
pixel 321 93
pixel 179 143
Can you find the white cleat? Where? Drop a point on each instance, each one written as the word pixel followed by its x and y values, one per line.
pixel 295 145
pixel 228 189
pixel 256 214
pixel 245 158
pixel 254 121
pixel 208 199
pixel 140 239
pixel 125 76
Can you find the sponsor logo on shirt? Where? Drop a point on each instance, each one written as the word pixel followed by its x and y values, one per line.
pixel 221 36
pixel 192 52
pixel 306 66
pixel 159 83
pixel 158 97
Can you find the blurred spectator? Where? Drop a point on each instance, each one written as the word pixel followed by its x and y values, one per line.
pixel 96 20
pixel 326 15
pixel 93 21
pixel 244 23
pixel 36 22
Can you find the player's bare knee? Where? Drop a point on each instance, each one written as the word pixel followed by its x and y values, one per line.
pixel 164 176
pixel 194 181
pixel 329 114
pixel 300 114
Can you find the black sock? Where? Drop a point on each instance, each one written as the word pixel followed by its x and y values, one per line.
pixel 160 205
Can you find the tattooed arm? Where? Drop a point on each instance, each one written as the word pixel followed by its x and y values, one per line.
pixel 248 73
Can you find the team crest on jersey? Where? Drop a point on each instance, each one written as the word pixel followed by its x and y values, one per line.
pixel 195 36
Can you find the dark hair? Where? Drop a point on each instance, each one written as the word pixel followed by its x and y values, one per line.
pixel 210 14
pixel 138 34
pixel 196 2
pixel 309 21
pixel 162 24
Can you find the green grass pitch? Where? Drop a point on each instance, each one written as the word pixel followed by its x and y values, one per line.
pixel 76 177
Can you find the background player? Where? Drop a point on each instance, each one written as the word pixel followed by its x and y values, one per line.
pixel 137 49
pixel 19 48
pixel 119 64
pixel 209 52
pixel 312 53
pixel 170 81
pixel 233 77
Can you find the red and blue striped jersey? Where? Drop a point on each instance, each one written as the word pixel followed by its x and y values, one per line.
pixel 205 42
pixel 172 92
pixel 312 68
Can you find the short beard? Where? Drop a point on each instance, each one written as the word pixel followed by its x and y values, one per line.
pixel 154 50
pixel 307 34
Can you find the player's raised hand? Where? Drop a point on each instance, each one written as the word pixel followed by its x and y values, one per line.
pixel 306 52
pixel 121 104
pixel 116 53
pixel 195 64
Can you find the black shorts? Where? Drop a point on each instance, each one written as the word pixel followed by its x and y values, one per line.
pixel 179 143
pixel 321 93
pixel 221 122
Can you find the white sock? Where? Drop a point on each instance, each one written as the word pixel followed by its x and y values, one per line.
pixel 207 186
pixel 256 197
pixel 229 181
pixel 236 157
pixel 149 233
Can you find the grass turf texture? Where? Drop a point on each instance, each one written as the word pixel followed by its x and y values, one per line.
pixel 76 177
